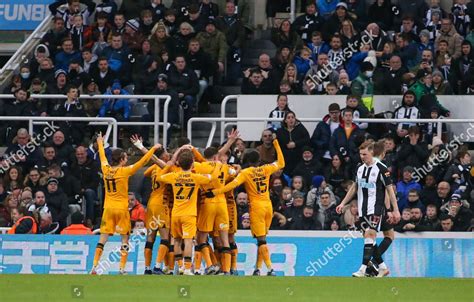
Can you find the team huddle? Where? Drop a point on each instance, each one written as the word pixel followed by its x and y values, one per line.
pixel 191 201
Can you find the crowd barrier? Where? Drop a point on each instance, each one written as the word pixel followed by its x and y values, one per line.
pixel 304 253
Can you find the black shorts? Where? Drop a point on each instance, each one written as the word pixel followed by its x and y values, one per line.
pixel 376 223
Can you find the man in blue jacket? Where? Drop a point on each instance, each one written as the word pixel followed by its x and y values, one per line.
pixel 405 185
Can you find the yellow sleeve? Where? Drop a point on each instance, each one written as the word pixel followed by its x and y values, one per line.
pixel 231 185
pixel 145 158
pixel 202 179
pixel 197 156
pixel 280 159
pixel 168 178
pixel 103 158
pixel 163 171
pixel 149 171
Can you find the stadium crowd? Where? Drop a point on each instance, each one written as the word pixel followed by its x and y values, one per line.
pixel 334 47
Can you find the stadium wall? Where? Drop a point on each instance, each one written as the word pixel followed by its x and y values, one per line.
pixel 319 253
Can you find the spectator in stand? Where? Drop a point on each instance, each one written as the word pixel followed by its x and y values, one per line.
pixel 40 53
pixel 184 81
pixel 180 40
pixel 429 222
pixel 54 37
pixel 279 112
pixel 13 179
pixel 413 152
pixel 48 158
pixel 308 166
pixel 293 75
pixel 160 39
pixel 343 140
pixel 407 110
pixel 145 23
pixel 446 223
pixel 77 226
pixel 306 24
pixel 358 108
pixel 241 200
pixel 93 150
pixel 132 38
pixel 76 75
pixel 363 87
pixel 266 149
pixel 59 87
pixel 234 32
pixel 442 55
pixel 391 83
pixel 443 192
pixel 104 76
pixel 66 54
pixel 81 34
pixel 376 37
pixel 295 211
pixel 136 209
pixel 462 67
pixel 448 33
pixel 213 42
pixel 116 108
pixel 350 216
pixel 20 142
pixel 46 73
pixel 318 187
pixel 57 202
pixel 195 18
pixel 325 209
pixel 302 61
pixel 101 30
pixel 157 8
pixel 64 150
pixel 459 174
pixel 118 27
pixel 20 106
pixel 425 42
pixel 429 193
pixel 73 8
pixel 202 64
pixel 67 184
pixel 320 75
pixel 39 203
pixel 285 36
pixel 35 180
pixel 254 83
pixel 317 45
pixel 307 222
pixel 292 136
pixel 132 8
pixel 334 23
pixel 117 55
pixel 458 212
pixel 86 170
pixel 462 21
pixel 381 12
pixel 146 79
pixel 72 107
pixel 425 95
pixel 413 200
pixel 170 22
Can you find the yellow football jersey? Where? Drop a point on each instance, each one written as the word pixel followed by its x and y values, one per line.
pixel 220 173
pixel 116 179
pixel 158 193
pixel 185 190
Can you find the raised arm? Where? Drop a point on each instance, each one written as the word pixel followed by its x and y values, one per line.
pixel 232 136
pixel 137 142
pixel 231 185
pixel 145 158
pixel 280 158
pixel 198 156
pixel 100 146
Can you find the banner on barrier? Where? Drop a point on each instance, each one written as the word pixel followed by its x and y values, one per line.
pixel 23 14
pixel 291 256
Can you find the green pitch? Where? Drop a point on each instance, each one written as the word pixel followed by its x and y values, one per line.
pixel 51 288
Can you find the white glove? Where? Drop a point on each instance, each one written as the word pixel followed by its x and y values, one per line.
pixel 138 144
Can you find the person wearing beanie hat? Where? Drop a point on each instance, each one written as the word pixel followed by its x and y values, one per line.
pixel 363 86
pixel 308 165
pixel 133 25
pixel 425 42
pixel 59 72
pixel 441 86
pixel 317 181
pixel 117 108
pixel 197 20
pixel 457 208
pixel 132 37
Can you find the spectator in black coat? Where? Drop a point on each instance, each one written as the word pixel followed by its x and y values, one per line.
pixel 459 174
pixel 429 222
pixel 57 203
pixel 103 75
pixel 428 194
pixel 66 183
pixel 254 83
pixel 148 76
pixel 47 159
pixel 64 150
pixel 86 170
pixel 460 215
pixel 413 152
pixel 336 172
pixel 308 23
pixel 22 141
pixel 295 211
pixel 323 132
pixel 354 103
pixel 54 36
pixel 292 136
pixel 380 12
pixel 443 191
pixel 183 80
pixel 307 222
pixel 344 140
pixel 392 82
pixel 308 167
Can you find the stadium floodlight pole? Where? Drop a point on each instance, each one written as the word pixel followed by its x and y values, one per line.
pixel 292 10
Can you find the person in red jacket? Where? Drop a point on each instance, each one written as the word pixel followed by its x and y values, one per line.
pixel 77 226
pixel 137 211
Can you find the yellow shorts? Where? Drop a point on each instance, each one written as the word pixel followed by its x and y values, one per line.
pixel 232 210
pixel 157 216
pixel 115 221
pixel 213 216
pixel 260 220
pixel 183 227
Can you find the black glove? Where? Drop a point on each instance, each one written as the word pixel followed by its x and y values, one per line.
pixel 209 194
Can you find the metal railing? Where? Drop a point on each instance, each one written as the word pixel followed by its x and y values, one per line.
pixel 96 120
pixel 213 121
pixel 224 125
pixel 93 120
pixel 25 49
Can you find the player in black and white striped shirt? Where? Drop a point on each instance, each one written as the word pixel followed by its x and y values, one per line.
pixel 372 183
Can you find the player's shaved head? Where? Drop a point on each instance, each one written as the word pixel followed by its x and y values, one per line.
pixel 210 152
pixel 251 158
pixel 185 159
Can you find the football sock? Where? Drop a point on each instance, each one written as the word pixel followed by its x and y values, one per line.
pixel 384 245
pixel 235 253
pixel 179 258
pixel 148 254
pixel 197 260
pixel 258 265
pixel 217 256
pixel 226 258
pixel 162 251
pixel 265 255
pixel 212 254
pixel 376 256
pixel 206 254
pixel 123 256
pixel 171 258
pixel 98 253
pixel 368 249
